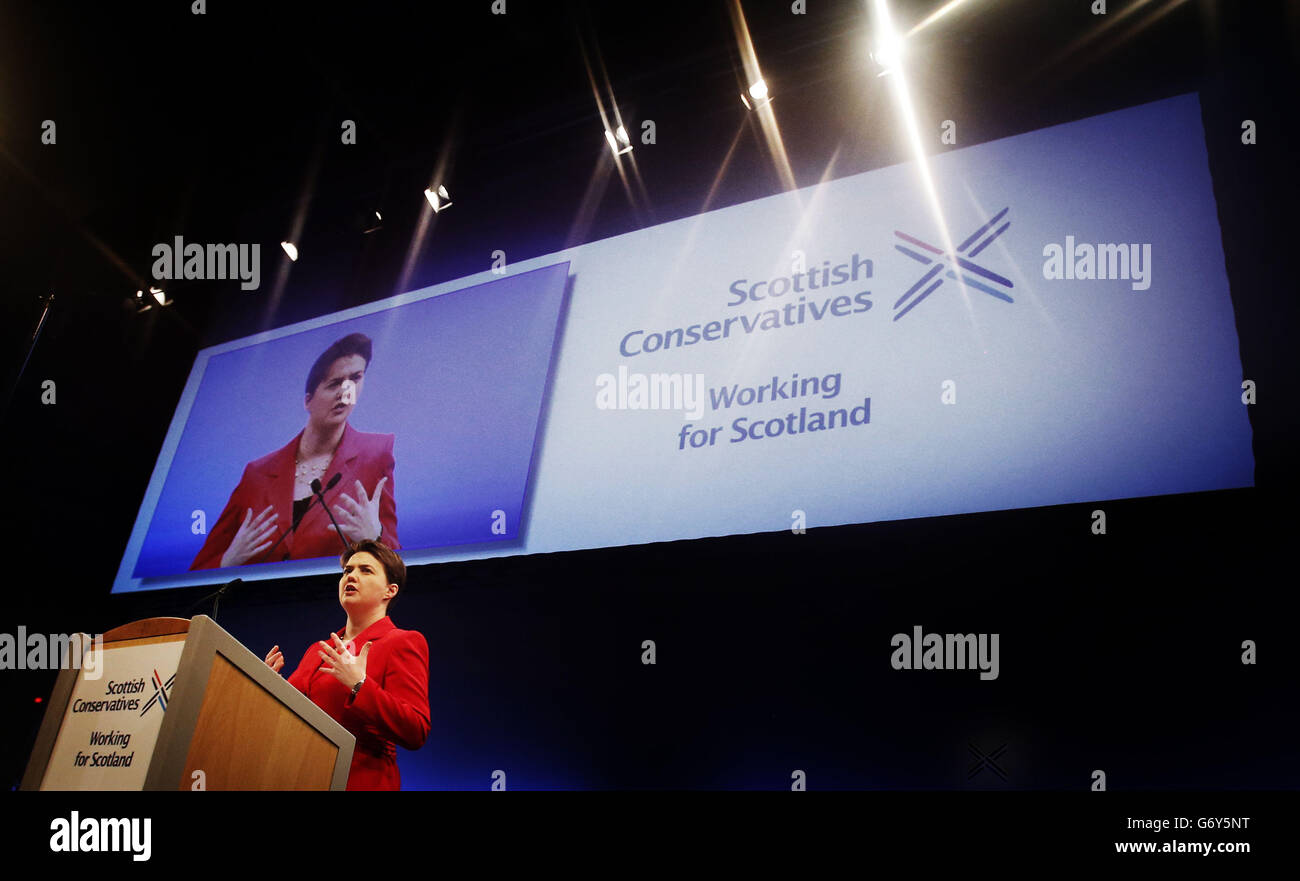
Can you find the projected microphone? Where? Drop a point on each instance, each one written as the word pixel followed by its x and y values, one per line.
pixel 315 487
pixel 296 520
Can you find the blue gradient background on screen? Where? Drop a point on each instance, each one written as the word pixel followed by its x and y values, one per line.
pixel 458 379
pixel 1078 391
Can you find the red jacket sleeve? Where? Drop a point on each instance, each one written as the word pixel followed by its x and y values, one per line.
pixel 223 531
pixel 388 504
pixel 399 705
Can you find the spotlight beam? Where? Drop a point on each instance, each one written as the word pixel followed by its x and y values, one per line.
pixel 428 217
pixel 766 117
pixel 1107 28
pixel 935 16
pixel 902 95
pixel 612 125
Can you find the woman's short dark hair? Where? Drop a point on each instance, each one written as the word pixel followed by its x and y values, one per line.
pixel 352 344
pixel 394 568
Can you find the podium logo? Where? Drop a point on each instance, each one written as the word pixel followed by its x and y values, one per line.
pixel 941 266
pixel 95 835
pixel 161 692
pixel 58 651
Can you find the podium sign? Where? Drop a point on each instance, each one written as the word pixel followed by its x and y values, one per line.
pixel 108 736
pixel 180 704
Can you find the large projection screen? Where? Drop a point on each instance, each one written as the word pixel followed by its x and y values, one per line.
pixel 1052 324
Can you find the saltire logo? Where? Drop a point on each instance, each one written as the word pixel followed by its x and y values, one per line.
pixel 929 255
pixel 986 760
pixel 160 692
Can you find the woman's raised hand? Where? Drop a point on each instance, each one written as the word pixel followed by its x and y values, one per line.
pixel 253 537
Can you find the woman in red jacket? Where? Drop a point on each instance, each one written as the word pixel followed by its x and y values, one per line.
pixel 274 493
pixel 371 678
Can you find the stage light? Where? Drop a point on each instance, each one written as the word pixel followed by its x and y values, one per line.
pixel 291 249
pixel 438 198
pixel 757 93
pixel 888 53
pixel 619 142
pixel 160 296
pixel 140 303
pixel 373 223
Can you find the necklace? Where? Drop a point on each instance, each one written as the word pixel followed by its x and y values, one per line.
pixel 306 473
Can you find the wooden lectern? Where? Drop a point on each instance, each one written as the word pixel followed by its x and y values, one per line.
pixel 170 703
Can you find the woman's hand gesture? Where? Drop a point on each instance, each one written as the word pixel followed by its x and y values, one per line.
pixel 253 537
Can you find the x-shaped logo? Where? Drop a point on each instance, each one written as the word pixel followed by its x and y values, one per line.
pixel 932 278
pixel 160 690
pixel 986 761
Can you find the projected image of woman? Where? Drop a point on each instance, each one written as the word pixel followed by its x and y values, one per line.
pixel 257 524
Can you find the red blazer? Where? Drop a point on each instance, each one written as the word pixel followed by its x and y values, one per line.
pixel 269 481
pixel 391 707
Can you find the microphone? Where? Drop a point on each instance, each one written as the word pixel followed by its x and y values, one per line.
pixel 334 481
pixel 215 597
pixel 315 487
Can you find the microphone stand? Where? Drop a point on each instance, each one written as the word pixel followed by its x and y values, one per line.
pixel 293 527
pixel 315 487
pixel 31 347
pixel 297 520
pixel 216 596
